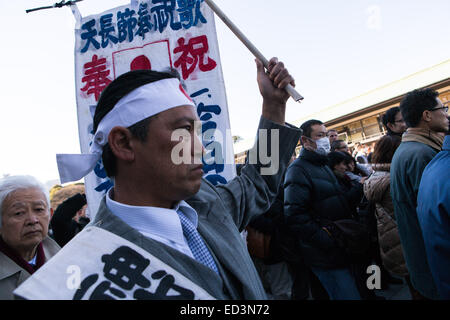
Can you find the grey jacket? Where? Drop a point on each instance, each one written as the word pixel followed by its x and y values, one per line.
pixel 223 212
pixel 12 275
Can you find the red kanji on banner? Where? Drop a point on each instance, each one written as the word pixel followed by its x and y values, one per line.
pixel 95 76
pixel 192 53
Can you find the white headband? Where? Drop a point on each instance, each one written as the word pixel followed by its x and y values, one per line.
pixel 141 103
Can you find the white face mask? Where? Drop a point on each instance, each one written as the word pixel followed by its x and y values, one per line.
pixel 323 146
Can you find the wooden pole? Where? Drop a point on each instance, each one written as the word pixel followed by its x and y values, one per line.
pixel 290 89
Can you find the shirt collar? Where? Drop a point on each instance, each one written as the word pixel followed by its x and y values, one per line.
pixel 33 261
pixel 162 222
pixel 188 211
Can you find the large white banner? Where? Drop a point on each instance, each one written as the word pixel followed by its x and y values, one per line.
pixel 99 265
pixel 157 35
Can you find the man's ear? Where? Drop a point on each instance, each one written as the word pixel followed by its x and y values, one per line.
pixel 426 116
pixel 306 143
pixel 119 140
pixel 303 140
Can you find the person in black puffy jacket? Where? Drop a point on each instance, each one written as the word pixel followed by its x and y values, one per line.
pixel 312 197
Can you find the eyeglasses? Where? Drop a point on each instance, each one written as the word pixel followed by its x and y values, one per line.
pixel 445 109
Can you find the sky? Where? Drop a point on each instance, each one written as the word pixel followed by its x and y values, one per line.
pixel 335 50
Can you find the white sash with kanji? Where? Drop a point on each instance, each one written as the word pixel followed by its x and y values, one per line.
pixel 99 265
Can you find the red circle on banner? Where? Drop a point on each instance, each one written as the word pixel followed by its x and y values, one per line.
pixel 140 63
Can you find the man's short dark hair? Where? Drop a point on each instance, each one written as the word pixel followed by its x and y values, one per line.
pixel 415 103
pixel 336 144
pixel 331 131
pixel 389 117
pixel 115 91
pixel 306 127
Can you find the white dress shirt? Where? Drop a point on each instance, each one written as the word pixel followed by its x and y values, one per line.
pixel 159 224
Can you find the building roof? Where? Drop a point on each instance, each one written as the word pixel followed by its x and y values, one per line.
pixel 420 79
pixel 396 88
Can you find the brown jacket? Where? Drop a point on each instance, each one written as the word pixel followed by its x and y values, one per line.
pixel 12 275
pixel 377 190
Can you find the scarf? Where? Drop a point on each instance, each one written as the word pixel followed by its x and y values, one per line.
pixel 381 166
pixel 425 136
pixel 14 256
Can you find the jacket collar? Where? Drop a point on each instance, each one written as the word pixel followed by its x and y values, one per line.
pixel 425 136
pixel 16 258
pixel 107 220
pixel 226 255
pixel 110 222
pixel 9 268
pixel 313 157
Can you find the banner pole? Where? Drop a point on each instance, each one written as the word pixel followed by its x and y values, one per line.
pixel 290 89
pixel 61 4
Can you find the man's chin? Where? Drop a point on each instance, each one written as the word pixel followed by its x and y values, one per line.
pixel 193 188
pixel 32 241
pixel 196 186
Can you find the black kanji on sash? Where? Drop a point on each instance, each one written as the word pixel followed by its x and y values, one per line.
pixel 123 268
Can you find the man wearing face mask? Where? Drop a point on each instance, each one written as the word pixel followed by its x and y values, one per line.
pixel 313 195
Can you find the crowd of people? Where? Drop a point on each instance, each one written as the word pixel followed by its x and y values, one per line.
pixel 311 229
pixel 333 196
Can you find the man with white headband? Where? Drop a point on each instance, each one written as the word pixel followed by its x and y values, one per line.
pixel 168 209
